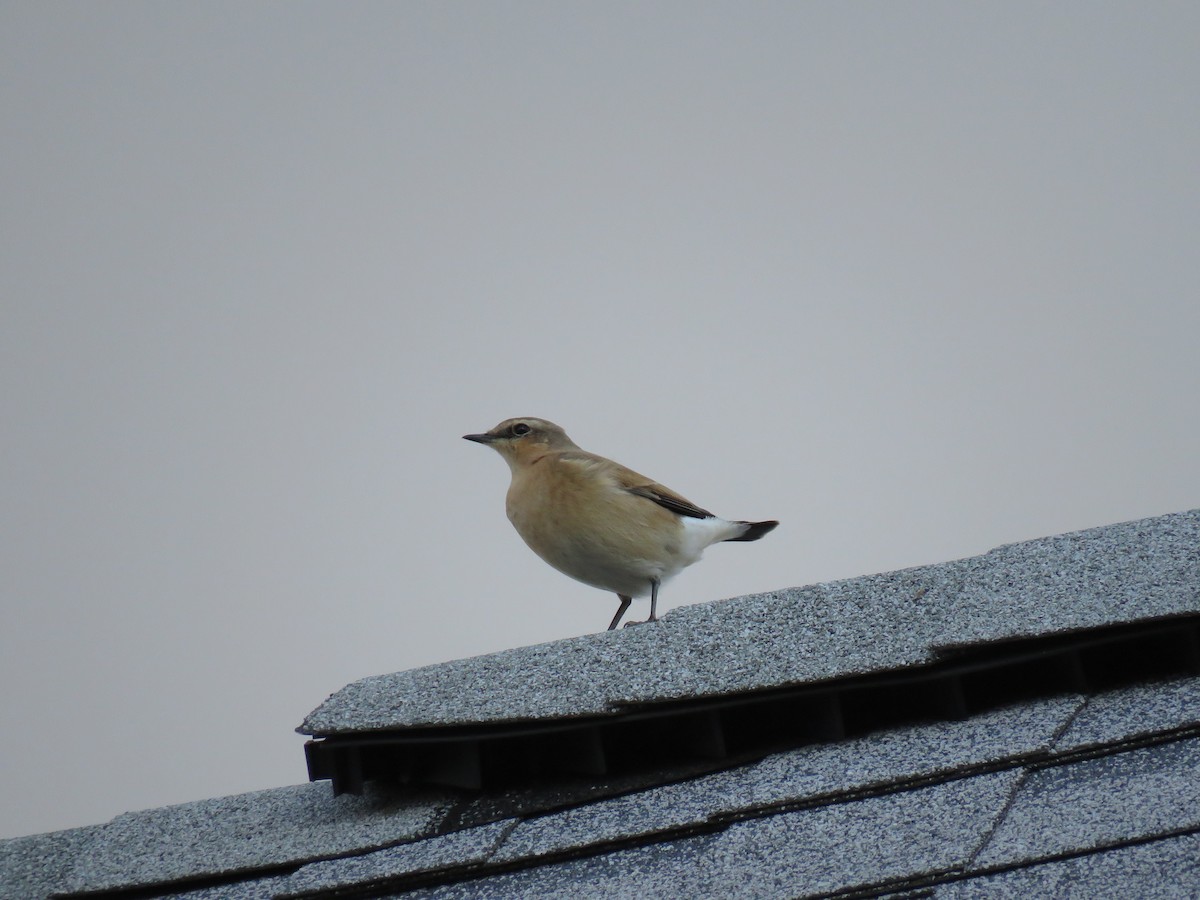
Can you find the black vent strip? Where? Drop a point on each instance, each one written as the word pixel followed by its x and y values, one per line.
pixel 723 820
pixel 730 729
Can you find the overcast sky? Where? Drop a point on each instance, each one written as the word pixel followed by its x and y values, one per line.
pixel 916 279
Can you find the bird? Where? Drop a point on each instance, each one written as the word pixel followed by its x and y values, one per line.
pixel 596 520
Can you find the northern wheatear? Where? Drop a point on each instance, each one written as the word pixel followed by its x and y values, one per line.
pixel 599 522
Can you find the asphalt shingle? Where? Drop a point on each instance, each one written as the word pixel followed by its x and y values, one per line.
pixel 563 679
pixel 40 864
pixel 887 838
pixel 1143 793
pixel 825 770
pixel 640 872
pixel 1167 869
pixel 251 889
pixel 1131 712
pixel 264 829
pixel 1118 573
pixel 457 849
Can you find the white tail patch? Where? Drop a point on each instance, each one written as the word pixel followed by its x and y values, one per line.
pixel 701 533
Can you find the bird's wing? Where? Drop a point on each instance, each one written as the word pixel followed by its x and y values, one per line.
pixel 668 499
pixel 638 485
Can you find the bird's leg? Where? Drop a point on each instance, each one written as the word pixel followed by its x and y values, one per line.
pixel 625 601
pixel 653 600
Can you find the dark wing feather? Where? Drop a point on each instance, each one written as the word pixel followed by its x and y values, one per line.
pixel 670 500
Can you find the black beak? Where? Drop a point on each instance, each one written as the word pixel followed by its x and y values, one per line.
pixel 479 438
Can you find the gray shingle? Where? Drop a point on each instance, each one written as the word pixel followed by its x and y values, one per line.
pixel 825 849
pixel 1125 714
pixel 1167 869
pixel 803 634
pixel 251 889
pixel 1127 796
pixel 1107 575
pixel 757 641
pixel 884 838
pixel 810 772
pixel 575 677
pixel 460 848
pixel 248 831
pixel 645 872
pixel 41 864
pixel 1117 573
pixel 916 751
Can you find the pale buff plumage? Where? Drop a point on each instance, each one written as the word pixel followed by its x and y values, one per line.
pixel 599 522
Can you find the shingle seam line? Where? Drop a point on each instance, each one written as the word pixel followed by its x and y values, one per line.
pixel 1020 783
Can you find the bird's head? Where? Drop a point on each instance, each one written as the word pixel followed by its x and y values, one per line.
pixel 522 440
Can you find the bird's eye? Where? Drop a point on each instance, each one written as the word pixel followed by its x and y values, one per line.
pixel 519 429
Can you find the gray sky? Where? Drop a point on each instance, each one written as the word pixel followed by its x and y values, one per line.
pixel 916 279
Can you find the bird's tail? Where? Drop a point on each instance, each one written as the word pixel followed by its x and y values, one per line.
pixel 754 530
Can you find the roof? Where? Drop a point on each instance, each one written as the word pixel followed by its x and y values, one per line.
pixel 1121 573
pixel 1081 779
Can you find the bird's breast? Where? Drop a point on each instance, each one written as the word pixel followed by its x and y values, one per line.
pixel 592 529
